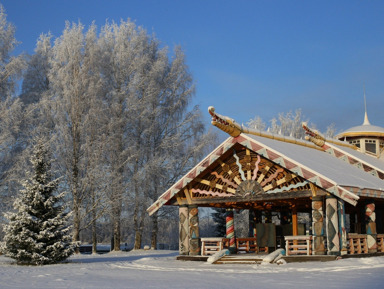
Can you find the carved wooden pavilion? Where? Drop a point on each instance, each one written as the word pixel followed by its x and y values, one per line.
pixel 263 173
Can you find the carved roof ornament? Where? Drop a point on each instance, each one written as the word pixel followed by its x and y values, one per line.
pixel 313 135
pixel 249 188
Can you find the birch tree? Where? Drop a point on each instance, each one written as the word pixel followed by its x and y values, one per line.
pixel 11 117
pixel 74 82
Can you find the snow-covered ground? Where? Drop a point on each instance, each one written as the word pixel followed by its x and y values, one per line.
pixel 160 269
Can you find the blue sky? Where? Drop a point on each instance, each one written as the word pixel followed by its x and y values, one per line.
pixel 250 58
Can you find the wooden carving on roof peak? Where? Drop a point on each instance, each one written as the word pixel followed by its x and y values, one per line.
pixel 314 140
pixel 318 139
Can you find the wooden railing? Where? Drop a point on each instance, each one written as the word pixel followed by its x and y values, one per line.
pixel 357 243
pixel 246 245
pixel 298 245
pixel 210 246
pixel 380 242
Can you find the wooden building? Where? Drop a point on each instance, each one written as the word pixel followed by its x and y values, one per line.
pixel 341 188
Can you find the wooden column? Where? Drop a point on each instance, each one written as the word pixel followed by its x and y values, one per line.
pixel 194 240
pixel 318 247
pixel 332 226
pixel 183 230
pixel 370 225
pixel 295 227
pixel 342 229
pixel 229 223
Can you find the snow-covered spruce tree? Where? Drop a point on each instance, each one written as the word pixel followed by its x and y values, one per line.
pixel 37 233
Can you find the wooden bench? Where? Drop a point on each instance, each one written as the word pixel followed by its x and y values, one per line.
pixel 357 243
pixel 298 245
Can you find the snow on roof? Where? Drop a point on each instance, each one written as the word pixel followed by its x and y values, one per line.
pixel 373 161
pixel 327 165
pixel 327 171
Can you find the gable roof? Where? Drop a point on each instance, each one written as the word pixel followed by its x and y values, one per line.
pixel 330 173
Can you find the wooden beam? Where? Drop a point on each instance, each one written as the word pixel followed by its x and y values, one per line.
pixel 217 186
pixel 313 189
pixel 188 196
pixel 249 175
pixel 261 197
pixel 178 199
pixel 262 176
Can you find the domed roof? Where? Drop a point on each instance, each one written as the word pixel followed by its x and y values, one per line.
pixel 362 130
pixel 366 129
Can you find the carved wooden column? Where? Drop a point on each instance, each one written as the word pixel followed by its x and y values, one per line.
pixel 370 225
pixel 183 230
pixel 342 229
pixel 318 247
pixel 229 224
pixel 332 225
pixel 194 241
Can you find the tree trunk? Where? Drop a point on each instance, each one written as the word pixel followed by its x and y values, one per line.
pixel 94 229
pixel 155 230
pixel 138 236
pixel 117 228
pixel 76 218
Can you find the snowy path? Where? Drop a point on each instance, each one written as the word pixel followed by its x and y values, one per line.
pixel 159 269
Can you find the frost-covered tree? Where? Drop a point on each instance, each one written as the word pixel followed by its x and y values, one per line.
pixel 38 231
pixel 11 115
pixel 35 80
pixel 288 124
pixel 74 89
pixel 256 123
pixel 10 66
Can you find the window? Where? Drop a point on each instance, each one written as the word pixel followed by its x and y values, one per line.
pixel 355 143
pixel 370 146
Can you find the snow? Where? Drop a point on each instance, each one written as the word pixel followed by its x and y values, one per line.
pixel 160 269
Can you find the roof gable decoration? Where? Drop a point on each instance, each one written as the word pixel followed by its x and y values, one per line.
pixel 244 175
pixel 301 170
pixel 247 183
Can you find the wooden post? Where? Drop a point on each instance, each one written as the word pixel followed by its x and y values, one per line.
pixel 229 223
pixel 194 241
pixel 342 229
pixel 332 225
pixel 370 225
pixel 317 226
pixel 295 230
pixel 183 230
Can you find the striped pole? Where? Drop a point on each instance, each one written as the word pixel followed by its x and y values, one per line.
pixel 229 224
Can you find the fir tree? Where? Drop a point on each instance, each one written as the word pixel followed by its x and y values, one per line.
pixel 37 233
pixel 218 217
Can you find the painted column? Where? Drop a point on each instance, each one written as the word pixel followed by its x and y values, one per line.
pixel 332 226
pixel 318 247
pixel 370 226
pixel 194 240
pixel 183 230
pixel 229 223
pixel 342 229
